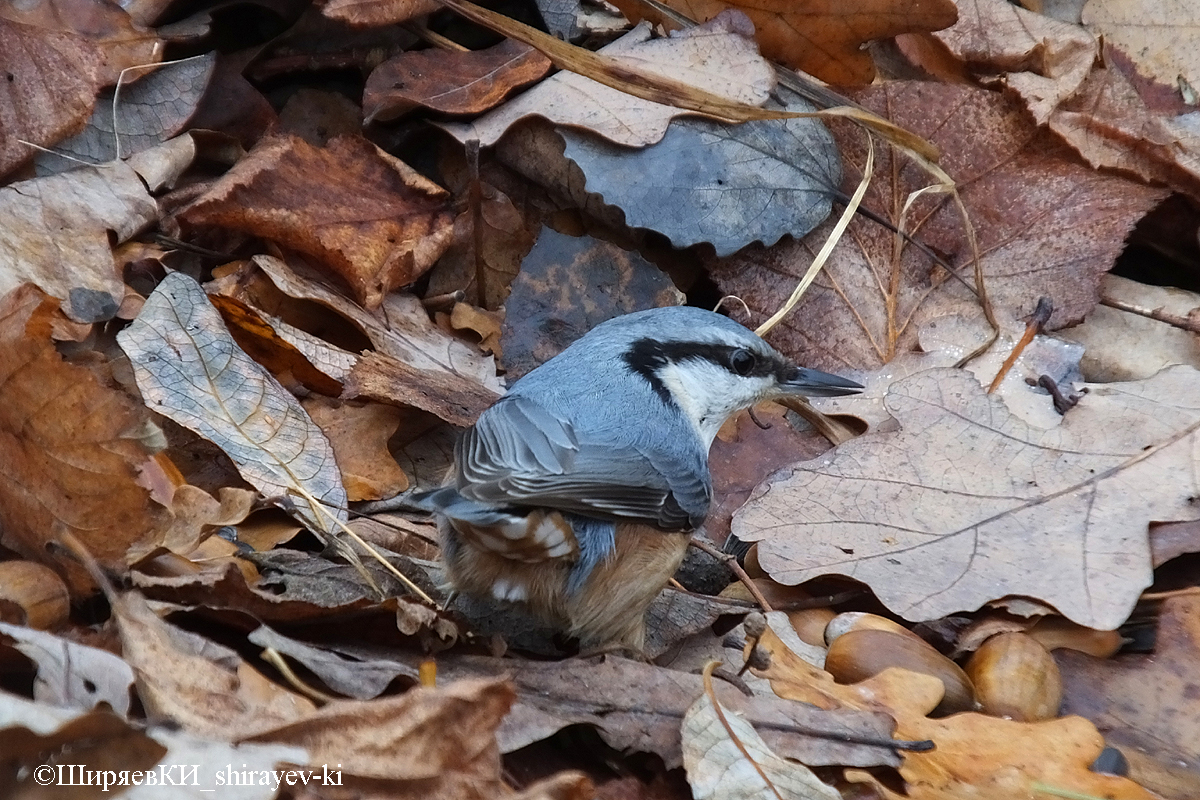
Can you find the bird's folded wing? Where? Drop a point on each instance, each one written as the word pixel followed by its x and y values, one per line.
pixel 519 453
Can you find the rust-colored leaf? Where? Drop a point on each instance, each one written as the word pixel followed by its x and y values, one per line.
pixel 69 457
pixel 452 82
pixel 365 215
pixel 359 433
pixel 822 37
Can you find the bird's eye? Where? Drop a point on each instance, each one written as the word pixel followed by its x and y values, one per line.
pixel 742 361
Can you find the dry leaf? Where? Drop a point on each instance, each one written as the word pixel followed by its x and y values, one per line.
pixel 1148 706
pixel 364 214
pixel 389 380
pixel 278 346
pixel 359 434
pixel 451 82
pixel 1104 110
pixel 720 57
pixel 121 40
pixel 569 285
pixel 78 269
pixel 966 503
pixel 1123 346
pixel 1163 36
pixel 427 744
pixel 401 330
pixel 821 38
pixel 1112 121
pixel 189 681
pixel 71 460
pixel 710 182
pixel 484 265
pixel 1046 226
pixel 190 370
pixel 639 707
pixel 374 12
pixel 57 55
pixel 725 758
pixel 72 675
pixel 148 112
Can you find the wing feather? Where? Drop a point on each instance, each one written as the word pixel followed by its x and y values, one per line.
pixel 520 453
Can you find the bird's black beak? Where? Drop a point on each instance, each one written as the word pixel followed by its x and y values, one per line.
pixel 814 383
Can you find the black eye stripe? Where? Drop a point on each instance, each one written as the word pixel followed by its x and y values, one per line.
pixel 647 356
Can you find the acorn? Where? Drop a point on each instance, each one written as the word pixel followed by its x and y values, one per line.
pixel 859 621
pixel 860 654
pixel 1016 677
pixel 32 595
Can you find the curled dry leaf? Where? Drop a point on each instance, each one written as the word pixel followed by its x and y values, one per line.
pixel 189 369
pixel 1046 60
pixel 720 57
pixel 967 504
pixel 1046 225
pixel 78 269
pixel 285 350
pixel 70 460
pixel 821 38
pixel 1092 98
pixel 426 743
pixel 202 687
pixel 417 363
pixel 364 214
pixel 452 82
pixel 726 758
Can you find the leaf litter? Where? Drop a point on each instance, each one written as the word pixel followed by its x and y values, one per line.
pixel 318 243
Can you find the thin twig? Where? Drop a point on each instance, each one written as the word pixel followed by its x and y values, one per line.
pixel 1037 320
pixel 318 506
pixel 1183 323
pixel 733 564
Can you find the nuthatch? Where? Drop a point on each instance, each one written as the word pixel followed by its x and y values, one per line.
pixel 575 493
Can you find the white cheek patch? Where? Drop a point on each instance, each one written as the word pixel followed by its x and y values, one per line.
pixel 708 394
